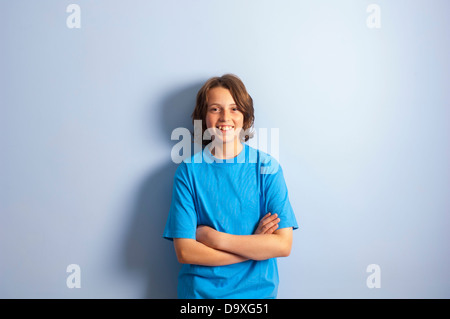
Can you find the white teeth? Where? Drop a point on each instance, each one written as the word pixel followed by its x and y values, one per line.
pixel 225 128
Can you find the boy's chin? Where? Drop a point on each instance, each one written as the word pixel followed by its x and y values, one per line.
pixel 226 139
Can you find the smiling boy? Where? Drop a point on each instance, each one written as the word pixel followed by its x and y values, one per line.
pixel 229 221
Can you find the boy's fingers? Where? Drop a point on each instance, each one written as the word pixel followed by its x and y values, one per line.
pixel 269 225
pixel 269 216
pixel 272 229
pixel 268 219
pixel 266 216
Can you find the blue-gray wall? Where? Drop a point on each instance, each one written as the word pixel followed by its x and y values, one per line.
pixel 87 113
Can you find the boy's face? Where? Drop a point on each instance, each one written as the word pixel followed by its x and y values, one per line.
pixel 223 115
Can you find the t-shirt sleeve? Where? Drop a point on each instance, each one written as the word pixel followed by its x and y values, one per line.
pixel 182 219
pixel 276 196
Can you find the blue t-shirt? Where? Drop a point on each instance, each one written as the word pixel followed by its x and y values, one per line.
pixel 230 196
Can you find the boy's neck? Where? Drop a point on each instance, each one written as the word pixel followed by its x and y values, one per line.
pixel 227 150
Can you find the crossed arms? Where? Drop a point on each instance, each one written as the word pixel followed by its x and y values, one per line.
pixel 214 248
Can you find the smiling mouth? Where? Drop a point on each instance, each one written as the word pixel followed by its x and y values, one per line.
pixel 225 128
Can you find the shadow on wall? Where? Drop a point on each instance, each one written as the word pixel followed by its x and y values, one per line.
pixel 146 252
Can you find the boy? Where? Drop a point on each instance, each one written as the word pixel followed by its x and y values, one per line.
pixel 230 215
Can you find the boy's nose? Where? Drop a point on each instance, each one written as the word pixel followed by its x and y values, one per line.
pixel 225 115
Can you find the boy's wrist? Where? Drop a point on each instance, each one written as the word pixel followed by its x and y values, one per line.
pixel 209 236
pixel 222 241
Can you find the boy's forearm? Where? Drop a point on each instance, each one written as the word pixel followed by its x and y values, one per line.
pixel 190 251
pixel 256 247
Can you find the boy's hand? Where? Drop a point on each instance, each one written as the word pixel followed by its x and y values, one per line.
pixel 268 224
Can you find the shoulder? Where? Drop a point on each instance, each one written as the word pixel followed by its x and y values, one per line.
pixel 183 170
pixel 268 163
pixel 188 165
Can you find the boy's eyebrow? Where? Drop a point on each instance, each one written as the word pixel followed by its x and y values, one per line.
pixel 218 104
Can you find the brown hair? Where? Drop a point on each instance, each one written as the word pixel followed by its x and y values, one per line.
pixel 244 102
